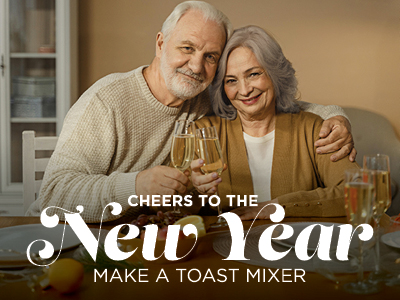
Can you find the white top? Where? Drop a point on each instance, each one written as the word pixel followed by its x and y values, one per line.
pixel 260 151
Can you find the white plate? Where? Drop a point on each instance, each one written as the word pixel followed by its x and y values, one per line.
pixel 18 239
pixel 392 239
pixel 314 237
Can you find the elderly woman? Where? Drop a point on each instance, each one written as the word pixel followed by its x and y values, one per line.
pixel 267 142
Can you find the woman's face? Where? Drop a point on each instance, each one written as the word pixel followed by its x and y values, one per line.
pixel 248 86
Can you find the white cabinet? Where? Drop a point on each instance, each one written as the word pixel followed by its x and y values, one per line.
pixel 38 80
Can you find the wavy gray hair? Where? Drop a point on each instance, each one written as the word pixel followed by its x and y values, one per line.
pixel 209 12
pixel 270 56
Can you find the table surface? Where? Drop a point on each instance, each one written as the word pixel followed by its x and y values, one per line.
pixel 207 261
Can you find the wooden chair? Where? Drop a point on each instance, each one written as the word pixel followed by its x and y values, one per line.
pixel 32 165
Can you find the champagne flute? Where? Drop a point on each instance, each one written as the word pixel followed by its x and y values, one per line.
pixel 358 189
pixel 381 201
pixel 209 150
pixel 182 149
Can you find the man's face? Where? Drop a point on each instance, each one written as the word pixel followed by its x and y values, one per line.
pixel 189 59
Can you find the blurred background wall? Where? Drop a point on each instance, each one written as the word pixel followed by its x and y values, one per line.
pixel 345 52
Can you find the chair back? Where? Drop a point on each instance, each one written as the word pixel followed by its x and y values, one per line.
pixel 374 134
pixel 36 152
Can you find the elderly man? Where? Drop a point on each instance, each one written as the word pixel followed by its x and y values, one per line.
pixel 116 139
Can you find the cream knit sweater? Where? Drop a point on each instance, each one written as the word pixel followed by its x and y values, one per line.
pixel 115 130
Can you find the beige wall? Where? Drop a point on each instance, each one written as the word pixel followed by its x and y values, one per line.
pixel 345 52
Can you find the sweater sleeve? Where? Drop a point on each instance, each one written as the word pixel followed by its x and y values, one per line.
pixel 324 111
pixel 78 171
pixel 327 200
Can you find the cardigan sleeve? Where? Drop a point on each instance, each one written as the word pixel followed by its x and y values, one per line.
pixel 327 198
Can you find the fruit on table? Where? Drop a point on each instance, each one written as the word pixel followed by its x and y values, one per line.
pixel 397 219
pixel 64 275
pixel 162 220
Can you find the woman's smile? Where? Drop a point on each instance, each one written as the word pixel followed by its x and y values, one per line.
pixel 251 100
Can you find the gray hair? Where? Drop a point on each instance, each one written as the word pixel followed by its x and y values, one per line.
pixel 271 58
pixel 209 12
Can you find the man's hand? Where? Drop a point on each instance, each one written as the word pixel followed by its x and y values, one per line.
pixel 251 212
pixel 335 134
pixel 205 184
pixel 161 180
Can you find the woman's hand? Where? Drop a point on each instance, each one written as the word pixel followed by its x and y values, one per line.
pixel 336 135
pixel 251 212
pixel 205 184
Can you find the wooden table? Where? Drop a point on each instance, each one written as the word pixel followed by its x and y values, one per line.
pixel 315 287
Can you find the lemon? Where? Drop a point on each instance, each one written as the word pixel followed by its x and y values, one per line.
pixel 65 275
pixel 196 221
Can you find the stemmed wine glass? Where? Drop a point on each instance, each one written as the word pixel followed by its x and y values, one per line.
pixel 381 201
pixel 358 189
pixel 182 148
pixel 209 150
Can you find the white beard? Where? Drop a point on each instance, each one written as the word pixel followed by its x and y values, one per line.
pixel 178 85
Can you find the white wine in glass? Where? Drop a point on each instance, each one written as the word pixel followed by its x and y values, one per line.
pixel 209 150
pixel 358 190
pixel 182 148
pixel 182 151
pixel 381 201
pixel 358 197
pixel 383 194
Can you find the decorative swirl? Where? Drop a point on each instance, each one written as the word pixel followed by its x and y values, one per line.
pixel 275 217
pixel 48 250
pixel 76 222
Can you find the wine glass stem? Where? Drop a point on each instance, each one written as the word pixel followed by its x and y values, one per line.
pixel 360 261
pixel 219 220
pixel 377 246
pixel 177 209
pixel 219 209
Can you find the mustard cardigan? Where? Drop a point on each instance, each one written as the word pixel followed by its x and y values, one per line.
pixel 307 184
